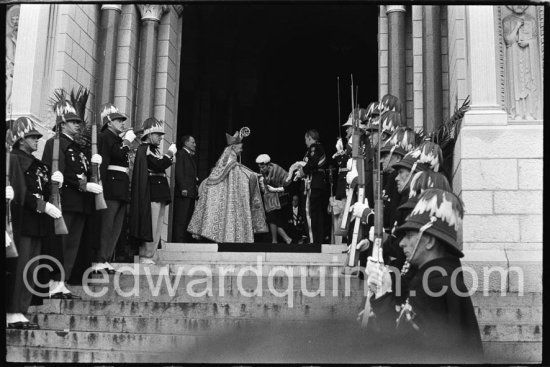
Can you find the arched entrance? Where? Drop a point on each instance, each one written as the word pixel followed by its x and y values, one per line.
pixel 274 69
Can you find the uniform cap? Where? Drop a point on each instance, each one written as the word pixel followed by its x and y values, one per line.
pixel 440 214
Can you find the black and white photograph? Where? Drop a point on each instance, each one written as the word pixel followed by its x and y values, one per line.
pixel 289 182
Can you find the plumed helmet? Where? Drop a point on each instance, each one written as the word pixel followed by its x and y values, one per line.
pixel 422 181
pixel 389 103
pixel 438 213
pixel 402 141
pixel 110 112
pixel 22 128
pixel 360 114
pixel 65 112
pixel 152 125
pixel 387 123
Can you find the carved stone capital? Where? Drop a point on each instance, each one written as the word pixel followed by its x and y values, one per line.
pixel 152 12
pixel 392 8
pixel 112 7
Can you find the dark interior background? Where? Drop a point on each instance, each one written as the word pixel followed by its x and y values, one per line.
pixel 273 68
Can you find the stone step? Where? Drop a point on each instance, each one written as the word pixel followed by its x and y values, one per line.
pixel 66 355
pixel 108 341
pixel 253 257
pixel 196 310
pixel 513 352
pixel 184 325
pixel 213 247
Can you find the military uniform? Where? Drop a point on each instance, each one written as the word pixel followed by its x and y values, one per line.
pixel 31 225
pixel 114 173
pixel 315 159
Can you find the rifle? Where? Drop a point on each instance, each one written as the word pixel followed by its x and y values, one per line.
pixel 358 159
pixel 11 250
pixel 55 198
pixel 100 203
pixel 378 224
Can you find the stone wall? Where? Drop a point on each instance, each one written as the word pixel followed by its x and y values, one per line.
pixel 456 41
pixel 382 53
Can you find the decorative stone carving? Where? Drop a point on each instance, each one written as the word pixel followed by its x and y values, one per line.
pixel 152 12
pixel 523 82
pixel 12 24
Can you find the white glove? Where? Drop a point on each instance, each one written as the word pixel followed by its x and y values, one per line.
pixel 363 245
pixel 349 164
pixel 275 189
pixel 94 188
pixel 371 234
pixel 379 280
pixel 358 209
pixel 351 175
pixel 52 211
pixel 58 177
pixel 172 148
pixel 339 145
pixel 9 193
pixel 96 158
pixel 350 141
pixel 129 135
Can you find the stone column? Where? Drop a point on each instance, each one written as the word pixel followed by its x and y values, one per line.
pixel 28 72
pixel 150 19
pixel 431 67
pixel 482 66
pixel 396 55
pixel 106 54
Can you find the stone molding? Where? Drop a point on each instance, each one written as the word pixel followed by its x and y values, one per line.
pixel 392 8
pixel 152 12
pixel 112 7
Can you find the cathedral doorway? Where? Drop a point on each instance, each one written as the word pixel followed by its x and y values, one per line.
pixel 273 68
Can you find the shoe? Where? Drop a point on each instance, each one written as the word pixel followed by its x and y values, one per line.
pixel 16 325
pixel 30 325
pixel 98 268
pixel 71 296
pixel 58 295
pixel 146 261
pixel 110 268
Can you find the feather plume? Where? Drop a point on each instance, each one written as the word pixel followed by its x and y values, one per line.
pixel 431 154
pixel 108 109
pixel 390 120
pixel 422 181
pixel 442 204
pixel 403 137
pixel 390 103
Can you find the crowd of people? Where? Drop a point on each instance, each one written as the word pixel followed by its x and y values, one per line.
pixel 379 160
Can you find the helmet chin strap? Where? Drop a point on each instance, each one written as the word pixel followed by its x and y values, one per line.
pixel 421 232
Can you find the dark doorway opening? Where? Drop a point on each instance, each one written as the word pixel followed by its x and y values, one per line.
pixel 273 68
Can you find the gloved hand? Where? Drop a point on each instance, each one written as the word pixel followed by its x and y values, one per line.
pixel 350 140
pixel 349 164
pixel 379 280
pixel 96 158
pixel 9 193
pixel 339 145
pixel 275 189
pixel 172 148
pixel 358 209
pixel 52 211
pixel 94 188
pixel 351 175
pixel 129 135
pixel 363 245
pixel 57 176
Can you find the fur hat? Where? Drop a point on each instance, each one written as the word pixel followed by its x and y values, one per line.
pixel 438 213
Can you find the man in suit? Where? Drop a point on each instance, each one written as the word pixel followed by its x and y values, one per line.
pixel 186 192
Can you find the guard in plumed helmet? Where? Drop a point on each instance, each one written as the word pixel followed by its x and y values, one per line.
pixel 150 190
pixel 436 323
pixel 77 200
pixel 32 216
pixel 113 144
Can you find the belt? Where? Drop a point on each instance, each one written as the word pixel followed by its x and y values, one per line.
pixel 157 174
pixel 112 167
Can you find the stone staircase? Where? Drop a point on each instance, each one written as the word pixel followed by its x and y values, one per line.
pixel 142 319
